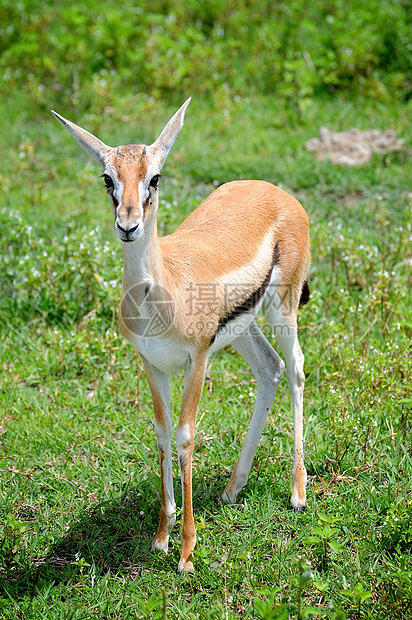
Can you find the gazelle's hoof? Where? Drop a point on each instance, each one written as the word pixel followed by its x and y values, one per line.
pixel 186 567
pixel 227 499
pixel 298 501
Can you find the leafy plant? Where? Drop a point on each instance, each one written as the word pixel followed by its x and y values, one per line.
pixel 359 594
pixel 270 609
pixel 279 604
pixel 11 537
pixel 323 539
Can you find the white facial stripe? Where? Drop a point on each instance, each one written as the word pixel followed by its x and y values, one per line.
pixel 143 193
pixel 118 191
pixel 152 171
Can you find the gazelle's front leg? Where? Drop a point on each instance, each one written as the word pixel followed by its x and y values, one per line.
pixel 159 383
pixel 185 440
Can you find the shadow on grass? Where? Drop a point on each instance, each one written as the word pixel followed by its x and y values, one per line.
pixel 113 537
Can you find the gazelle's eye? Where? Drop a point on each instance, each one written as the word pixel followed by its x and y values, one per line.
pixel 108 181
pixel 155 181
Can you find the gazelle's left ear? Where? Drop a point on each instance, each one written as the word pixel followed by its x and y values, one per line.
pixel 161 147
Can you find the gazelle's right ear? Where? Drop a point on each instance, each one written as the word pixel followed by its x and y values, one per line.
pixel 161 147
pixel 88 141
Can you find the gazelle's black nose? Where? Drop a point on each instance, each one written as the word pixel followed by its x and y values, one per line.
pixel 126 234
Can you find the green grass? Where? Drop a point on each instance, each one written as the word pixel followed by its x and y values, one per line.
pixel 79 474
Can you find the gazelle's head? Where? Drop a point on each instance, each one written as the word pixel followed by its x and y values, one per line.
pixel 131 173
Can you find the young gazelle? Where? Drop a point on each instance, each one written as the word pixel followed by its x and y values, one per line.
pixel 245 248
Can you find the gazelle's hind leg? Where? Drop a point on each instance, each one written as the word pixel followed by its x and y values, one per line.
pixel 267 368
pixel 287 337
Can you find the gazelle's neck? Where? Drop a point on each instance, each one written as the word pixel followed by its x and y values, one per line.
pixel 142 259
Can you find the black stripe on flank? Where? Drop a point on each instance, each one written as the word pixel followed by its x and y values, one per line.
pixel 254 298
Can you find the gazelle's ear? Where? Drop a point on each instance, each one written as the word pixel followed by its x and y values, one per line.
pixel 160 149
pixel 88 141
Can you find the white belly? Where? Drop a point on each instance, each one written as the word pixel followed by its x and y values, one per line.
pixel 162 352
pixel 232 330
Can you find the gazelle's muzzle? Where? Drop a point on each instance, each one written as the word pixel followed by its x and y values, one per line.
pixel 128 231
pixel 129 222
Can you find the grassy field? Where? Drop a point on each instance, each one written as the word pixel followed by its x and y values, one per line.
pixel 79 474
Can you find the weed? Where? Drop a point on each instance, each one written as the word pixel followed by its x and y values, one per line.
pixel 359 595
pixel 323 540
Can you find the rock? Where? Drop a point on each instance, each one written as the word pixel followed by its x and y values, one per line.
pixel 353 147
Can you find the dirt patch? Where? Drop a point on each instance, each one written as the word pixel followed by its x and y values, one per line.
pixel 353 147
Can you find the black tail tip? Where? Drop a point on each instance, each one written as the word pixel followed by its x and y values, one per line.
pixel 305 294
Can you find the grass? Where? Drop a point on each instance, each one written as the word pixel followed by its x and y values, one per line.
pixel 79 475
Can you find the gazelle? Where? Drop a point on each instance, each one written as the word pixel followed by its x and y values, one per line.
pixel 246 248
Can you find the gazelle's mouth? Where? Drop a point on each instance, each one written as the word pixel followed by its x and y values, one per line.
pixel 127 234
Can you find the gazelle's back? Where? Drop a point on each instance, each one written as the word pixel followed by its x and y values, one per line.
pixel 240 206
pixel 236 223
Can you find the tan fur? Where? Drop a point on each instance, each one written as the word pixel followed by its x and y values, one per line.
pixel 224 234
